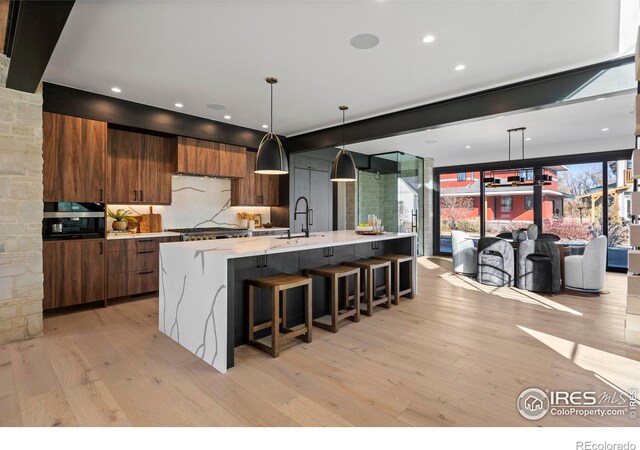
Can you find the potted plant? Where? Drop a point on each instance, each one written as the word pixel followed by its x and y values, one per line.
pixel 119 218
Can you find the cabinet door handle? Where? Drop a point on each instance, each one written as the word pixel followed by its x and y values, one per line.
pixel 141 196
pixel 135 195
pixel 146 251
pixel 101 195
pixel 101 248
pixel 145 273
pixel 145 240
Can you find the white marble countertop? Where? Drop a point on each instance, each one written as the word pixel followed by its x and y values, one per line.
pixel 264 245
pixel 142 235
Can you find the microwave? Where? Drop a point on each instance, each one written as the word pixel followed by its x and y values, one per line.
pixel 70 220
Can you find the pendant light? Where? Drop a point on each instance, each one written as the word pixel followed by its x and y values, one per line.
pixel 343 168
pixel 515 180
pixel 271 158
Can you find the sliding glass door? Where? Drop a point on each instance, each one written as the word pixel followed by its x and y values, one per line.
pixel 576 200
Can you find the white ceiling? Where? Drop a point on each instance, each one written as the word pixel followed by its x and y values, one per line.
pixel 196 53
pixel 560 130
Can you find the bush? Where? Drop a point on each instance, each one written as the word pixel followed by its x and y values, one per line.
pixel 468 226
pixel 568 229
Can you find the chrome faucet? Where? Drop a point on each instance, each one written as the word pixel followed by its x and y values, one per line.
pixel 306 211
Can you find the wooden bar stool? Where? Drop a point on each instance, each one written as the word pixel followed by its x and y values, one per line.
pixel 279 284
pixel 368 269
pixel 334 274
pixel 396 260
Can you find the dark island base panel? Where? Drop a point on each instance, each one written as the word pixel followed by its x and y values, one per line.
pixel 242 269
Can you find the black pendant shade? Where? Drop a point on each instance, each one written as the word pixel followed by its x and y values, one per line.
pixel 271 158
pixel 343 168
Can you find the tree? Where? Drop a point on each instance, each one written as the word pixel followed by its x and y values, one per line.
pixel 454 208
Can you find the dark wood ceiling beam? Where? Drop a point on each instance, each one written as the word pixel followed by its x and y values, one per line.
pixel 37 30
pixel 116 111
pixel 527 95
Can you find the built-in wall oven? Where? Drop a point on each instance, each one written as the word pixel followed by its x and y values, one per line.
pixel 69 220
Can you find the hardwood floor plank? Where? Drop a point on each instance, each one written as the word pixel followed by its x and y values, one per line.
pixel 9 404
pixel 458 354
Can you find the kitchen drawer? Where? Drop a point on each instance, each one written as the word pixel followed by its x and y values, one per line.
pixel 127 261
pixel 124 245
pixel 133 282
pixel 142 281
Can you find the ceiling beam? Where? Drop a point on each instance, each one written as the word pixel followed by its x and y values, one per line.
pixel 74 102
pixel 37 30
pixel 526 95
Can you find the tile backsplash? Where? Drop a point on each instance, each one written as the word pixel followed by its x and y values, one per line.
pixel 199 202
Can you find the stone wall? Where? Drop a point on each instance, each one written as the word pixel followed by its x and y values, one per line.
pixel 351 203
pixel 21 281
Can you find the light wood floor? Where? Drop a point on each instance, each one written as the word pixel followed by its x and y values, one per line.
pixel 458 354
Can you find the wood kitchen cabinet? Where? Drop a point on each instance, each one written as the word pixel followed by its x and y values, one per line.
pixel 133 265
pixel 74 272
pixel 74 152
pixel 139 168
pixel 206 158
pixel 255 189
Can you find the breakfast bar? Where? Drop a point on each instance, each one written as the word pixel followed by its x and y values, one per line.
pixel 203 294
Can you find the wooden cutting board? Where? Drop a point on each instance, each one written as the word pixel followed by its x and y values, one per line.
pixel 143 226
pixel 155 221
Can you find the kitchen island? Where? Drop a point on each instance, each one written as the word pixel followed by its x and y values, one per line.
pixel 202 283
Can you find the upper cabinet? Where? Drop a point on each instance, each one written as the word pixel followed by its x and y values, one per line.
pixel 206 158
pixel 74 151
pixel 139 168
pixel 255 189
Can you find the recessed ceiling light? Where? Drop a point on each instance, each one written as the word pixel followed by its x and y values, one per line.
pixel 460 67
pixel 431 142
pixel 428 129
pixel 500 117
pixel 599 99
pixel 364 41
pixel 265 126
pixel 216 106
pixel 116 89
pixel 468 146
pixel 605 129
pixel 179 105
pixel 227 117
pixel 428 39
pixel 527 139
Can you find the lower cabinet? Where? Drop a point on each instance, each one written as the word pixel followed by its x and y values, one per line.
pixel 133 266
pixel 74 272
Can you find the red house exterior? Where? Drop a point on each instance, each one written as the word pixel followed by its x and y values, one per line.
pixel 460 195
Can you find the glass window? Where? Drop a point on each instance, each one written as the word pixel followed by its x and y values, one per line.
pixel 527 174
pixel 572 203
pixel 462 176
pixel 528 202
pixel 506 204
pixel 459 208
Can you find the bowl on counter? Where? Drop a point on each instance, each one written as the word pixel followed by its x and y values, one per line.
pixel 367 228
pixel 267 225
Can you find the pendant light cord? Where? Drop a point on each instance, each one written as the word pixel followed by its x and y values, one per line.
pixel 271 129
pixel 343 114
